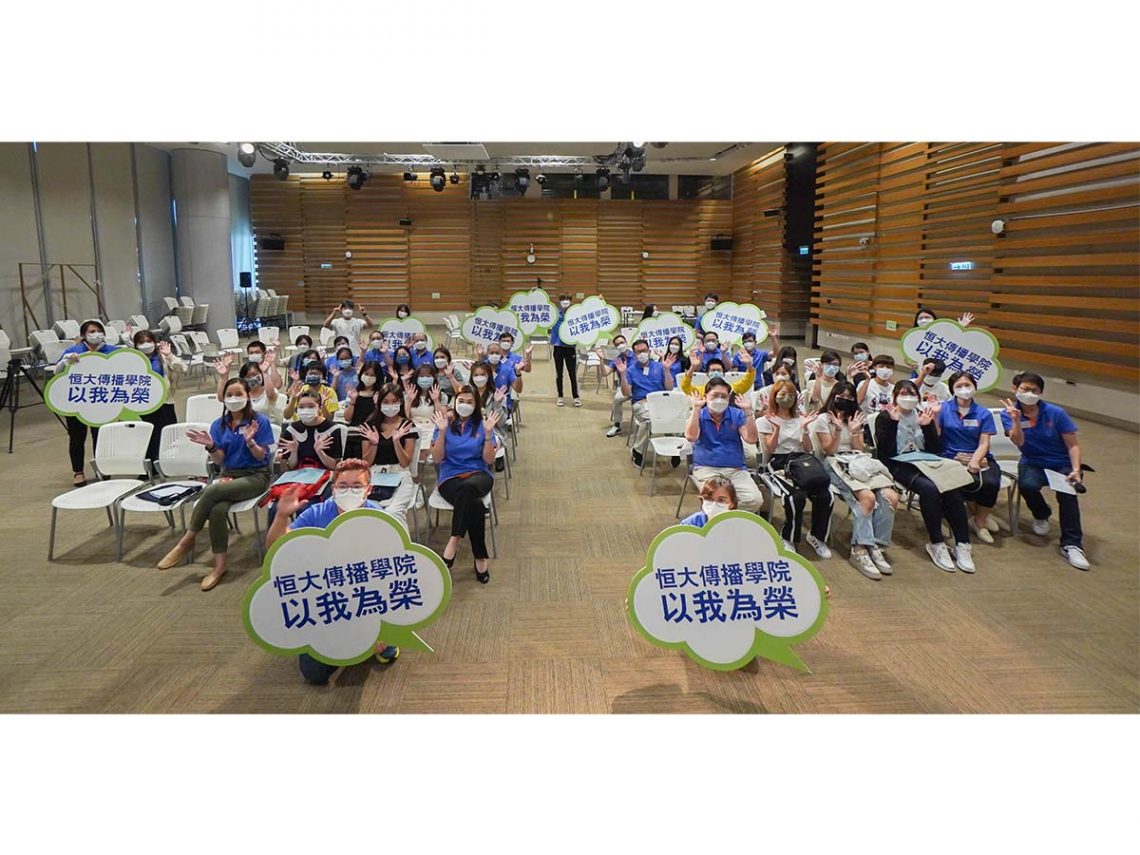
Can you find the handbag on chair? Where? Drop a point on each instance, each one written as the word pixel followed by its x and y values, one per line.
pixel 806 472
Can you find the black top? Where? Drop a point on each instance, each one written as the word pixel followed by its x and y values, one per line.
pixel 306 436
pixel 363 408
pixel 386 450
pixel 887 435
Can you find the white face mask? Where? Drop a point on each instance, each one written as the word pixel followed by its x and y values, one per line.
pixel 710 346
pixel 376 344
pixel 390 410
pixel 255 358
pixel 235 404
pixel 622 348
pixel 441 363
pixel 565 304
pixel 750 346
pixel 674 348
pixel 506 346
pixel 479 380
pixel 643 357
pixel 929 380
pixel 401 314
pixel 710 304
pixel 368 380
pixel 348 498
pixel 717 405
pixel 494 358
pixel 884 373
pixel 420 345
pixel 922 322
pixel 711 509
pixel 1028 398
pixel 830 370
pixel 965 393
pixel 862 356
pixel 464 410
pixel 147 348
pixel 346 313
pixel 907 402
pixel 308 415
pixel 94 338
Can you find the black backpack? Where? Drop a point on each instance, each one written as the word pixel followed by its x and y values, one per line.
pixel 807 473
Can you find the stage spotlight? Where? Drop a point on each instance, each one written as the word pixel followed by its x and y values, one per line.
pixel 356 177
pixel 579 177
pixel 639 145
pixel 540 178
pixel 522 179
pixel 327 175
pixel 495 176
pixel 603 179
pixel 247 154
pixel 281 168
pixel 438 179
pixel 410 176
pixel 480 170
pixel 455 178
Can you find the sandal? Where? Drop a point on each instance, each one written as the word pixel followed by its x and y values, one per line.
pixel 483 577
pixel 80 480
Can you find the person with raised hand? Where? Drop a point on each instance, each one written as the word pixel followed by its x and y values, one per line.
pixel 637 381
pixel 966 427
pixel 718 432
pixel 609 366
pixel 361 402
pixel 463 446
pixel 343 373
pixel 388 444
pixel 345 320
pixel 161 359
pixel 313 380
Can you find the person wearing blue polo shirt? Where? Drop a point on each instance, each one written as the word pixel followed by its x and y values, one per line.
pixel 241 442
pixel 351 481
pixel 421 355
pixel 710 303
pixel 332 359
pixel 160 360
pixel 505 376
pixel 609 366
pixel 565 355
pixel 1047 437
pixel 966 427
pixel 708 350
pixel 758 359
pixel 463 445
pixel 718 432
pixel 92 339
pixel 637 381
pixel 343 373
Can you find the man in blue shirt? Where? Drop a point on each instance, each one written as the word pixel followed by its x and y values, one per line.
pixel 759 358
pixel 420 353
pixel 709 351
pixel 718 432
pixel 637 381
pixel 351 481
pixel 710 303
pixel 1047 437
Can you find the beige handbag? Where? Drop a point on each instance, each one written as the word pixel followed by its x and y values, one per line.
pixel 946 474
pixel 876 482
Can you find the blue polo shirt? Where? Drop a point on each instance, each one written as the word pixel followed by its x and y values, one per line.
pixel 512 359
pixel 462 452
pixel 556 330
pixel 759 357
pixel 644 379
pixel 230 441
pixel 332 362
pixel 708 355
pixel 347 379
pixel 322 514
pixel 720 447
pixel 82 348
pixel 156 363
pixel 627 358
pixel 373 355
pixel 504 374
pixel 425 358
pixel 961 434
pixel 675 369
pixel 1043 444
pixel 699 519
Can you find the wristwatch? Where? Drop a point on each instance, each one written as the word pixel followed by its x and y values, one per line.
pixel 210 449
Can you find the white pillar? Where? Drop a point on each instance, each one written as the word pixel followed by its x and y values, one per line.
pixel 202 206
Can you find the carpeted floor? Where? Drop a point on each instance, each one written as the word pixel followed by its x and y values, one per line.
pixel 1027 633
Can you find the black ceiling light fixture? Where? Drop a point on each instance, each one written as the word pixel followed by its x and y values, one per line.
pixel 603 179
pixel 356 177
pixel 247 154
pixel 540 178
pixel 454 177
pixel 659 144
pixel 438 178
pixel 327 175
pixel 495 176
pixel 410 176
pixel 281 168
pixel 522 179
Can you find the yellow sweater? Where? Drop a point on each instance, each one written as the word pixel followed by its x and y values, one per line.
pixel 744 384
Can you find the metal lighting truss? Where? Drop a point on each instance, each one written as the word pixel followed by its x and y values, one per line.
pixel 294 154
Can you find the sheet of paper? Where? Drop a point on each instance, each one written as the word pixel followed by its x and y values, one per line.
pixel 1057 482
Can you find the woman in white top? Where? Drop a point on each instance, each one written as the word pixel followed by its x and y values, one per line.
pixel 838 429
pixel 780 372
pixel 824 377
pixel 784 433
pixel 388 445
pixel 342 322
pixel 262 395
pixel 875 394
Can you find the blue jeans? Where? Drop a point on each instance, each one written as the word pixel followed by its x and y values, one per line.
pixel 1031 480
pixel 872 529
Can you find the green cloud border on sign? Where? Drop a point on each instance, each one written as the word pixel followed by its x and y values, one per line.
pixel 997 346
pixel 520 340
pixel 736 338
pixel 566 339
pixel 527 294
pixel 777 649
pixel 401 635
pixel 126 414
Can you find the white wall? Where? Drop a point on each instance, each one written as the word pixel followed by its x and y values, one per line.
pixel 19 243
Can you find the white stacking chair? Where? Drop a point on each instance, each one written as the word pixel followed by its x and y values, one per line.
pixel 139 322
pixel 733 377
pixel 269 336
pixel 203 408
pixel 120 450
pixel 178 458
pixel 49 346
pixel 185 315
pixel 668 412
pixel 171 304
pixel 1007 456
pixel 263 305
pixel 186 301
pixel 252 504
pixel 326 338
pixel 439 503
pixel 201 312
pixel 700 378
pixel 170 324
pixel 228 340
pixel 298 331
pixel 67 329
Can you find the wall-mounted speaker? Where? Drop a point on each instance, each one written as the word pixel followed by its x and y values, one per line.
pixel 273 242
pixel 721 243
pixel 245 278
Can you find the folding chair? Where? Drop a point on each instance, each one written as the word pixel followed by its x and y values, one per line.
pixel 269 336
pixel 439 503
pixel 201 312
pixel 178 457
pixel 120 450
pixel 252 504
pixel 228 341
pixel 668 412
pixel 67 329
pixel 203 408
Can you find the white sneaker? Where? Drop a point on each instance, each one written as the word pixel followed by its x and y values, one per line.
pixel 614 431
pixel 982 532
pixel 940 554
pixel 1075 556
pixel 577 402
pixel 861 561
pixel 1041 527
pixel 993 525
pixel 560 403
pixel 879 560
pixel 790 548
pixel 963 555
pixel 819 546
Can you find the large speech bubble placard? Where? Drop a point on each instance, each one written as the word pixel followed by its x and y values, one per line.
pixel 974 350
pixel 332 593
pixel 657 331
pixel 730 321
pixel 587 321
pixel 398 331
pixel 534 310
pixel 101 388
pixel 487 323
pixel 727 593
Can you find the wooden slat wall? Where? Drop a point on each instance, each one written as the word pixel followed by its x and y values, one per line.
pixel 487 252
pixel 619 252
pixel 276 210
pixel 379 270
pixel 1058 288
pixel 760 272
pixel 714 217
pixel 439 245
pixel 670 231
pixel 322 211
pixel 579 247
pixel 525 222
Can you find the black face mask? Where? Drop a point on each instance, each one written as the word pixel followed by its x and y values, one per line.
pixel 845 405
pixel 313 379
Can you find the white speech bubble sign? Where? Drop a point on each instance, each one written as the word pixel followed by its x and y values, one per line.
pixel 730 321
pixel 534 309
pixel 101 388
pixel 399 331
pixel 487 323
pixel 727 593
pixel 332 593
pixel 585 322
pixel 974 350
pixel 657 331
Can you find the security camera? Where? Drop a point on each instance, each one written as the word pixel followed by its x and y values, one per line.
pixel 997 226
pixel 865 240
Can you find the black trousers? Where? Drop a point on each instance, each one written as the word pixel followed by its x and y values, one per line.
pixel 466 496
pixel 986 486
pixel 934 504
pixel 77 441
pixel 160 418
pixel 795 502
pixel 565 355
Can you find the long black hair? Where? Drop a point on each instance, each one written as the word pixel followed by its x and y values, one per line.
pixel 680 353
pixel 476 417
pixel 247 413
pixel 841 387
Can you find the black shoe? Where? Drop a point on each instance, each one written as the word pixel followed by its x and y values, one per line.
pixel 449 561
pixel 483 577
pixel 499 465
pixel 316 673
pixel 637 458
pixel 676 461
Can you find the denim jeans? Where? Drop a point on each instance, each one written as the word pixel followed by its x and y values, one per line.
pixel 1031 480
pixel 872 529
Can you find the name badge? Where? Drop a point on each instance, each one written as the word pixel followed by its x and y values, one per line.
pixel 1025 423
pixel 645 370
pixel 969 423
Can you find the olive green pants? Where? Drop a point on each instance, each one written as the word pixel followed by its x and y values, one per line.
pixel 214 504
